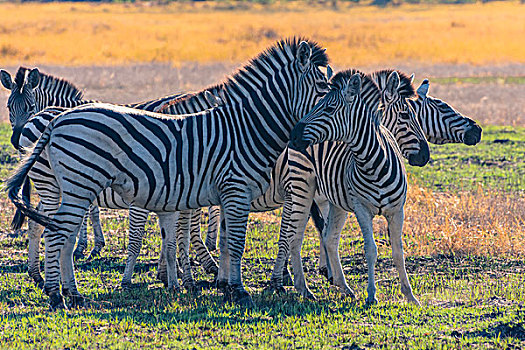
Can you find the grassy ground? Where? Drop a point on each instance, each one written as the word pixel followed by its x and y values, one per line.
pixel 465 266
pixel 356 35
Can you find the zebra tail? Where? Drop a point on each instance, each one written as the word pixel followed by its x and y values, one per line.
pixel 15 182
pixel 317 217
pixel 19 218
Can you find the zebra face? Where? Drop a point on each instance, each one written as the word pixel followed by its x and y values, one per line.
pixel 332 118
pixel 400 119
pixel 312 84
pixel 21 103
pixel 441 123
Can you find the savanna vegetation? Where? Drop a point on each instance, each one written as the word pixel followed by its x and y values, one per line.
pixel 464 233
pixel 356 35
pixel 465 253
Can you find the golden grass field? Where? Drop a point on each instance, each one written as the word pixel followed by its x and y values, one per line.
pixel 85 34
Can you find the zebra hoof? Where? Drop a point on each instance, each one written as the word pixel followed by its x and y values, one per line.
pixel 323 271
pixel 192 289
pixel 76 301
pixel 95 253
pixel 56 302
pixel 39 281
pixel 205 285
pixel 127 286
pixel 275 287
pixel 242 298
pixel 163 277
pixel 371 301
pixel 308 295
pixel 287 278
pixel 78 255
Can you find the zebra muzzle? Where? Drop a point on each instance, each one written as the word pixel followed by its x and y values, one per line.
pixel 297 141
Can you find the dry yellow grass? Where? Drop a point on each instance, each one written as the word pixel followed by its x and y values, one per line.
pixel 470 223
pixel 81 34
pixel 478 223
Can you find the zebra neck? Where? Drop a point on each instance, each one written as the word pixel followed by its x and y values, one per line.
pixel 417 105
pixel 369 149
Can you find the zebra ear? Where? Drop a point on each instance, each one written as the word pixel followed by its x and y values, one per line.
pixel 212 99
pixel 304 52
pixel 353 87
pixel 5 77
pixel 33 78
pixel 329 72
pixel 392 83
pixel 422 90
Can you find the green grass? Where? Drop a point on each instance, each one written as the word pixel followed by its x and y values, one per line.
pixel 497 162
pixel 468 301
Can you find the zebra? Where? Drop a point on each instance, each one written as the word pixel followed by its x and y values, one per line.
pixel 108 199
pixel 360 171
pixel 441 122
pixel 227 151
pixel 408 134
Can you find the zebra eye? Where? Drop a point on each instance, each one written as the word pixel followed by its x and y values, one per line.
pixel 329 109
pixel 322 85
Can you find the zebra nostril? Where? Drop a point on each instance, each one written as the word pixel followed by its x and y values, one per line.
pixel 15 138
pixel 472 135
pixel 422 157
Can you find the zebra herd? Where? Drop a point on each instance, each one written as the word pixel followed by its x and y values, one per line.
pixel 279 132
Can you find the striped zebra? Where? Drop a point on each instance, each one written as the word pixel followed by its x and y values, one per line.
pixel 44 178
pixel 407 131
pixel 361 173
pixel 223 155
pixel 441 122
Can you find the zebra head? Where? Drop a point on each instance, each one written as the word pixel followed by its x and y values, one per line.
pixel 400 118
pixel 442 123
pixel 21 103
pixel 335 116
pixel 312 84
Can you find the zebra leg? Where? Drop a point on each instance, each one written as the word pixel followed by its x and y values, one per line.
pixel 162 266
pixel 82 240
pixel 298 221
pixel 331 240
pixel 34 233
pixel 324 265
pixel 224 259
pixel 285 234
pixel 137 223
pixel 100 242
pixel 364 218
pixel 236 204
pixel 69 216
pixel 214 213
pixel 167 223
pixel 395 230
pixel 203 254
pixel 183 242
pixel 69 286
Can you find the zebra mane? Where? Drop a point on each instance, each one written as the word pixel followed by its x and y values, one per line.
pixel 284 48
pixel 20 77
pixel 370 92
pixel 406 89
pixel 48 82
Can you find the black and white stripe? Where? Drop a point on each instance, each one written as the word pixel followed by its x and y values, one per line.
pixel 362 173
pixel 220 156
pixel 44 177
pixel 441 122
